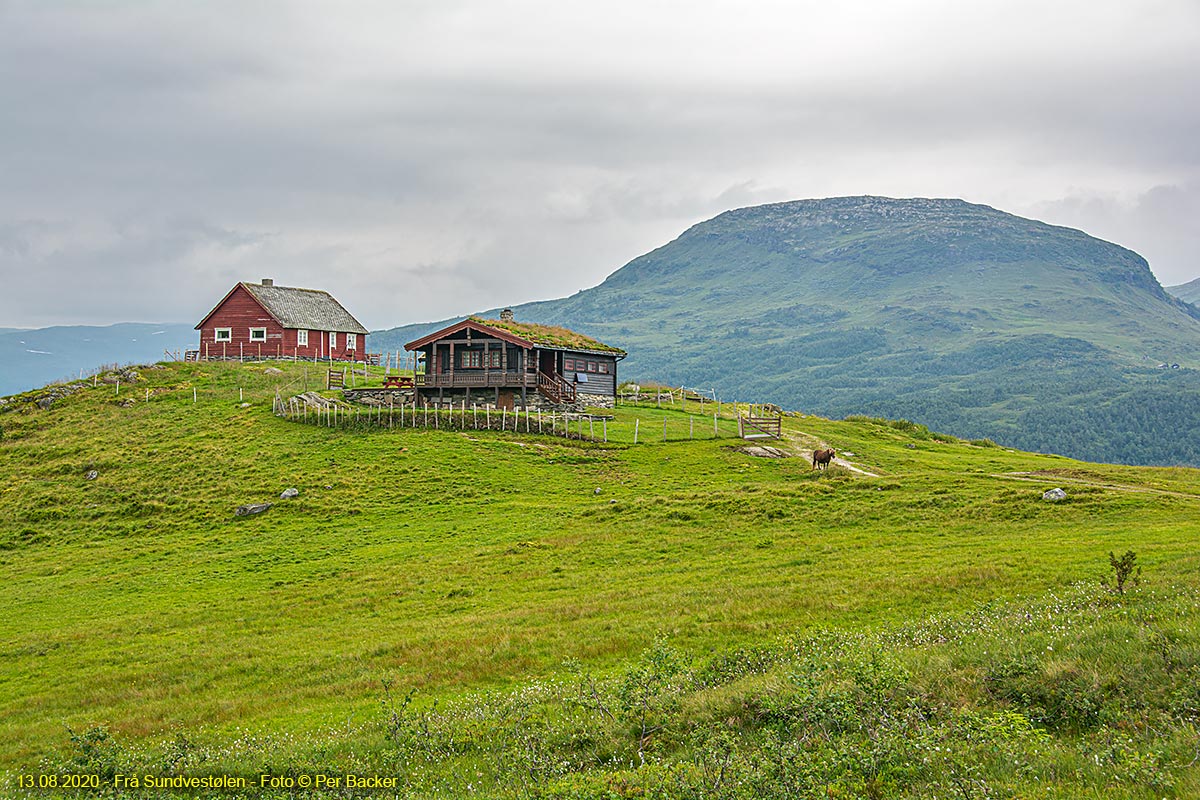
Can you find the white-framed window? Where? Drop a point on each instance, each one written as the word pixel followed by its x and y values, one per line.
pixel 302 338
pixel 222 334
pixel 333 340
pixel 258 334
pixel 351 341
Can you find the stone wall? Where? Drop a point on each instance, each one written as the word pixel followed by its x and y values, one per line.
pixel 379 397
pixel 585 400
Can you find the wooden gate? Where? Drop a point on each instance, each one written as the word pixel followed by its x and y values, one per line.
pixel 755 427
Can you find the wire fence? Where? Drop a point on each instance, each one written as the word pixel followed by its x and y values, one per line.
pixel 617 428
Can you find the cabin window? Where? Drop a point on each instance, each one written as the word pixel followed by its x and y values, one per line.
pixel 302 338
pixel 223 334
pixel 602 367
pixel 569 365
pixel 351 341
pixel 333 340
pixel 258 334
pixel 591 366
pixel 469 358
pixel 494 359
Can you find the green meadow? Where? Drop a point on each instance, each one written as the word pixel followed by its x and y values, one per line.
pixel 501 613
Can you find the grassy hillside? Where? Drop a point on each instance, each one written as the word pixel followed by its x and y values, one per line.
pixel 957 315
pixel 581 619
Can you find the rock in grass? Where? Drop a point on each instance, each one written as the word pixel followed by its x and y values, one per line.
pixel 91 475
pixel 44 403
pixel 1054 495
pixel 272 371
pixel 250 509
pixel 289 493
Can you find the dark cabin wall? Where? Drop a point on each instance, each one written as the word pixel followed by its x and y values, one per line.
pixel 516 357
pixel 597 382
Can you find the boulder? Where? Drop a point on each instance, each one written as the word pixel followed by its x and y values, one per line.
pixel 91 475
pixel 1054 495
pixel 289 493
pixel 250 509
pixel 272 371
pixel 45 403
pixel 763 451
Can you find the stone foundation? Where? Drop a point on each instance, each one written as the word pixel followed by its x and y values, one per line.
pixel 595 400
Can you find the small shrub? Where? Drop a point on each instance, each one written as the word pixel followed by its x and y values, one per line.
pixel 1124 567
pixel 649 692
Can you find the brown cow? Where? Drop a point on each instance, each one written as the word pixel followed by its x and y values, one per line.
pixel 822 458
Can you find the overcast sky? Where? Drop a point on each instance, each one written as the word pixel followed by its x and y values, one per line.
pixel 428 159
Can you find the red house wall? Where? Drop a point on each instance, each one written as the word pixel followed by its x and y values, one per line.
pixel 240 312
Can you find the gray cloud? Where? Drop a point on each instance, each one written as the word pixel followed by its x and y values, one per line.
pixel 426 159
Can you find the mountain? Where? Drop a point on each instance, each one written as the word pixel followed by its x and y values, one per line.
pixel 962 317
pixel 1188 292
pixel 31 358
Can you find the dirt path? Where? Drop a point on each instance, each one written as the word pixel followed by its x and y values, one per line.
pixel 1040 477
pixel 803 444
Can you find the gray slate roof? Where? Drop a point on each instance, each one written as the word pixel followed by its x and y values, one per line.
pixel 305 308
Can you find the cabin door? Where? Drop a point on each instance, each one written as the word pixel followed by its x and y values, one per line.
pixel 505 399
pixel 546 362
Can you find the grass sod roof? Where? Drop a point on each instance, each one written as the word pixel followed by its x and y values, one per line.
pixel 549 336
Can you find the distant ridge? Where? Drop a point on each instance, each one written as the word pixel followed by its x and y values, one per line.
pixel 965 318
pixel 34 357
pixel 1188 292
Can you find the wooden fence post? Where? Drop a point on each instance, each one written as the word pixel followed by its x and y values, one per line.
pixel 636 422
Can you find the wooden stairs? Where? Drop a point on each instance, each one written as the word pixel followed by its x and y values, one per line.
pixel 555 388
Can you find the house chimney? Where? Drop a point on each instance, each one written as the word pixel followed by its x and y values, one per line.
pixel 506 315
pixel 268 281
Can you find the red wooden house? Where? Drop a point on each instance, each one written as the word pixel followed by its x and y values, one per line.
pixel 268 321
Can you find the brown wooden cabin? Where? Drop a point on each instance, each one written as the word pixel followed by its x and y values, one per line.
pixel 514 365
pixel 269 321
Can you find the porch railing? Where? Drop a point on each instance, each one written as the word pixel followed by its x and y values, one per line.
pixel 473 379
